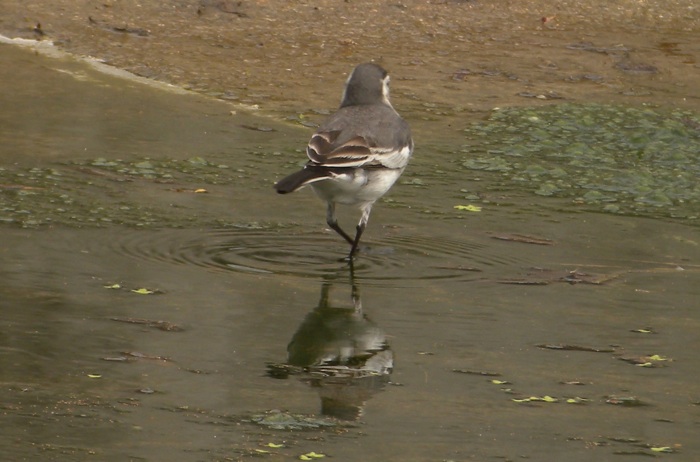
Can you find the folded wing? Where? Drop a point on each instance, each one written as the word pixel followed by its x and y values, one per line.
pixel 349 140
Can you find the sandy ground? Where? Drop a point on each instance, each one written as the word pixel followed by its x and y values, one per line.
pixel 447 58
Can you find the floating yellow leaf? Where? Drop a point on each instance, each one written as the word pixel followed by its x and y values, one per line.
pixel 657 358
pixel 662 449
pixel 95 376
pixel 647 364
pixel 113 286
pixel 576 400
pixel 142 291
pixel 262 451
pixel 200 190
pixel 273 445
pixel 500 382
pixel 546 399
pixel 468 208
pixel 311 456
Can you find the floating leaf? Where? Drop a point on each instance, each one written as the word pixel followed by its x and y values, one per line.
pixel 546 399
pixel 576 400
pixel 95 376
pixel 113 286
pixel 500 382
pixel 273 445
pixel 662 449
pixel 643 331
pixel 262 451
pixel 115 358
pixel 468 208
pixel 143 291
pixel 645 361
pixel 311 456
pixel 200 190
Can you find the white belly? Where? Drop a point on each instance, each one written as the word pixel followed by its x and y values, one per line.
pixel 359 186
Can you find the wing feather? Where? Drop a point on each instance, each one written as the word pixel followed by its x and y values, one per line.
pixel 348 140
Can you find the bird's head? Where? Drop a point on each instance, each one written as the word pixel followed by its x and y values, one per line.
pixel 368 84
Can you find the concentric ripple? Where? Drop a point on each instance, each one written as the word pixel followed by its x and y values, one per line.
pixel 386 261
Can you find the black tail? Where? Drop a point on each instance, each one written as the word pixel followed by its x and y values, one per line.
pixel 301 178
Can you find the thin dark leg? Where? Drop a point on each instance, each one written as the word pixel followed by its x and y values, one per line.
pixel 356 242
pixel 333 223
pixel 360 229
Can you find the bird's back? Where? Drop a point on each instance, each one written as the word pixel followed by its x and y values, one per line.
pixel 378 124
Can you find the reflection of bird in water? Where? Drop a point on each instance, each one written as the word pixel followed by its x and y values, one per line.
pixel 341 353
pixel 340 337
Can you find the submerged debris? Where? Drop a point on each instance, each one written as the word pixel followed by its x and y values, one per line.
pixel 646 360
pixel 559 346
pixel 523 239
pixel 628 401
pixel 280 420
pixel 475 372
pixel 543 277
pixel 162 325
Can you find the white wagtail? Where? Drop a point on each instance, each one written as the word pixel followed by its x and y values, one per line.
pixel 358 153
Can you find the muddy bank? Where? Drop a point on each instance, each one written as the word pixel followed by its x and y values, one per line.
pixel 448 58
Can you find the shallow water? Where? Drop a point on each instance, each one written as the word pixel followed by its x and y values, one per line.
pixel 142 319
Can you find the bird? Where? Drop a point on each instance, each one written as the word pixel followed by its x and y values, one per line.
pixel 358 153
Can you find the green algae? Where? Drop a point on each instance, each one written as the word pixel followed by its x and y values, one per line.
pixel 627 160
pixel 193 169
pixel 95 193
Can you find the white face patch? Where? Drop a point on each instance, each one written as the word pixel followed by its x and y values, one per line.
pixel 385 89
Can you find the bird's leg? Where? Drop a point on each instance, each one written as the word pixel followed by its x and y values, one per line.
pixel 356 242
pixel 360 229
pixel 333 223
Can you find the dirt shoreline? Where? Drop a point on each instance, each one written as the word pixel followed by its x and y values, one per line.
pixel 449 59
